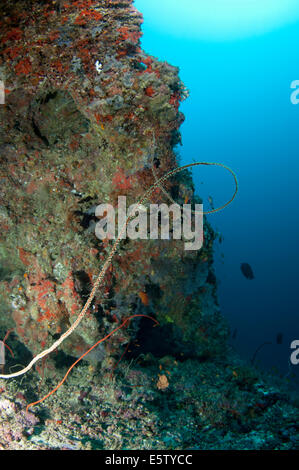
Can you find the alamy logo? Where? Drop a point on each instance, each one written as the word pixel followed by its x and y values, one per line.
pixel 157 221
pixel 2 92
pixel 295 354
pixel 295 94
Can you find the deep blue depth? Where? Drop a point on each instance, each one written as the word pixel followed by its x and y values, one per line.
pixel 239 113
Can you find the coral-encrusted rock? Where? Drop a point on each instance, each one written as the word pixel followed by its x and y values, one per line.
pixel 15 423
pixel 87 113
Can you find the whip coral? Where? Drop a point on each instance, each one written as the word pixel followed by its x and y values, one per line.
pixel 103 271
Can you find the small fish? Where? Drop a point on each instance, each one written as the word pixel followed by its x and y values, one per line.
pixel 144 298
pixel 247 271
pixel 234 335
pixel 211 202
pixel 279 338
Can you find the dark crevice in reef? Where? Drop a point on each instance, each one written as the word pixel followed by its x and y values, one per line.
pixel 160 341
pixel 39 134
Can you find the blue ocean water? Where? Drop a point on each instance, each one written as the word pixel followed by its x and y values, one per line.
pixel 239 113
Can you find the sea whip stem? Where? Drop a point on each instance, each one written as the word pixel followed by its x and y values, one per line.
pixel 109 259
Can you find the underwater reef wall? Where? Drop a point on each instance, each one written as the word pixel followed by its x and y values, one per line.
pixel 87 115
